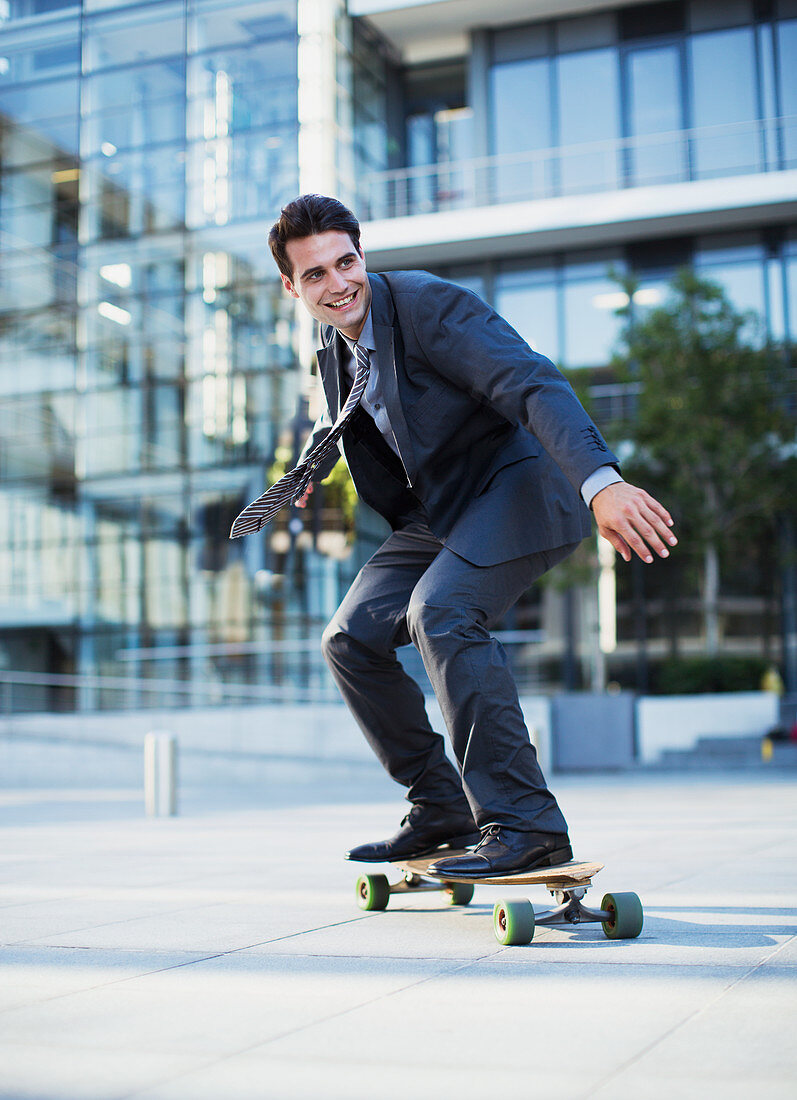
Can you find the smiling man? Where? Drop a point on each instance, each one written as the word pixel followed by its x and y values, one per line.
pixel 478 454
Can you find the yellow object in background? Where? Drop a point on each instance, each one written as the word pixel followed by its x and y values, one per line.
pixel 772 681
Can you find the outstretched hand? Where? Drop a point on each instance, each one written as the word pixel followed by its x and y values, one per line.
pixel 631 519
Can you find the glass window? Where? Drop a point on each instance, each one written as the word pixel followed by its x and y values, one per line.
pixel 40 121
pixel 790 263
pixel 516 128
pixel 527 299
pixel 134 36
pixel 135 193
pixel 724 103
pixel 247 175
pixel 438 133
pixel 787 73
pixel 45 342
pixel 232 23
pixel 113 431
pixel 589 115
pixel 130 86
pixel 43 443
pixel 469 279
pixel 776 295
pixel 591 301
pixel 655 115
pixel 740 271
pixel 242 90
pixel 138 124
pixel 133 107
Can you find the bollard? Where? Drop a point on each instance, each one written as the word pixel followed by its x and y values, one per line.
pixel 160 774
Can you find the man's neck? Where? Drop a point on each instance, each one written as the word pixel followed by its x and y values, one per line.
pixel 364 327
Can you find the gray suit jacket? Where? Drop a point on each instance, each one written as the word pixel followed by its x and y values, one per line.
pixel 493 439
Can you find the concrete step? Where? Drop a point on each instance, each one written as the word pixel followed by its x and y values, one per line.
pixel 731 752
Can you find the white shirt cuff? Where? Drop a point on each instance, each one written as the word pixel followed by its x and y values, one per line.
pixel 603 476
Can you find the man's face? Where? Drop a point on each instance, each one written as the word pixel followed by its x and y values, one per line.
pixel 329 277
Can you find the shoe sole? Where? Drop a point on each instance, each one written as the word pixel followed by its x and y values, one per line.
pixel 464 841
pixel 553 859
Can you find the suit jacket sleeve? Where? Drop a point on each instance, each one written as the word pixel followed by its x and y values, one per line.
pixel 477 350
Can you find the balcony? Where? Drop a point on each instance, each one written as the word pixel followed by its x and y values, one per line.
pixel 693 179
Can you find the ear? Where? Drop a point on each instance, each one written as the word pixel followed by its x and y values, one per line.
pixel 288 286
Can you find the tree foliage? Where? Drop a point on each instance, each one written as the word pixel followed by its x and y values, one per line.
pixel 712 435
pixel 712 427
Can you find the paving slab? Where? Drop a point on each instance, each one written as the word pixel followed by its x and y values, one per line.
pixel 220 955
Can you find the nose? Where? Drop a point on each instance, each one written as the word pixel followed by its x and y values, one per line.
pixel 337 282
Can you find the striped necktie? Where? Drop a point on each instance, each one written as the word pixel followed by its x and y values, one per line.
pixel 293 484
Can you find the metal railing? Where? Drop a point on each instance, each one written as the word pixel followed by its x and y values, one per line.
pixel 216 677
pixel 677 156
pixel 27 692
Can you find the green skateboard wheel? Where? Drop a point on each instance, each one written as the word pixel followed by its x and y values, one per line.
pixel 459 893
pixel 513 922
pixel 627 917
pixel 373 892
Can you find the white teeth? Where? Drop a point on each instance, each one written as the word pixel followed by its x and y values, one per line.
pixel 343 301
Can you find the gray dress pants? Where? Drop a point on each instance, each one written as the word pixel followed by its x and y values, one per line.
pixel 415 590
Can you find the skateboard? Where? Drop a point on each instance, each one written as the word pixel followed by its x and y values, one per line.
pixel 514 920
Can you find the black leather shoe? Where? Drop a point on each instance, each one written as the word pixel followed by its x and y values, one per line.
pixel 506 852
pixel 423 830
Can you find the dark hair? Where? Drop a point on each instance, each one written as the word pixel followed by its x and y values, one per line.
pixel 305 217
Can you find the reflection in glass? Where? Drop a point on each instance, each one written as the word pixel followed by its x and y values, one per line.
pixel 740 272
pixel 790 264
pixel 257 86
pixel 39 119
pixel 587 86
pixel 654 108
pixel 723 79
pixel 520 115
pixel 138 34
pixel 592 327
pixel 528 301
pixel 232 23
pixel 787 71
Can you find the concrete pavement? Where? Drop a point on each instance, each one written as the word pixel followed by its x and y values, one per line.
pixel 219 955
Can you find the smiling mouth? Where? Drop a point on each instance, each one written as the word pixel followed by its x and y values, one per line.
pixel 342 303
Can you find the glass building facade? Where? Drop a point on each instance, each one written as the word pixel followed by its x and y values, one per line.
pixel 148 359
pixel 150 378
pixel 693 96
pixel 640 96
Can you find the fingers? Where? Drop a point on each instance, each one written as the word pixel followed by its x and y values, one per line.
pixel 620 545
pixel 645 531
pixel 633 521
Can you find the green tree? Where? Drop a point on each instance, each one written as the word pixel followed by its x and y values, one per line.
pixel 712 435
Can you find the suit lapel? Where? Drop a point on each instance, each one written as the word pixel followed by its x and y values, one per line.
pixel 329 366
pixel 384 321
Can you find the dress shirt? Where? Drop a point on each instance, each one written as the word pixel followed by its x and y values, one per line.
pixel 372 400
pixel 374 405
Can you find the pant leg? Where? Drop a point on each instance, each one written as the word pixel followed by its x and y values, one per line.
pixel 452 609
pixel 359 645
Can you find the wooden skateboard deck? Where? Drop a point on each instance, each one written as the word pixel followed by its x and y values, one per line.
pixel 566 874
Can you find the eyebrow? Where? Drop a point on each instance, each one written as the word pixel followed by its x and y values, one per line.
pixel 320 267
